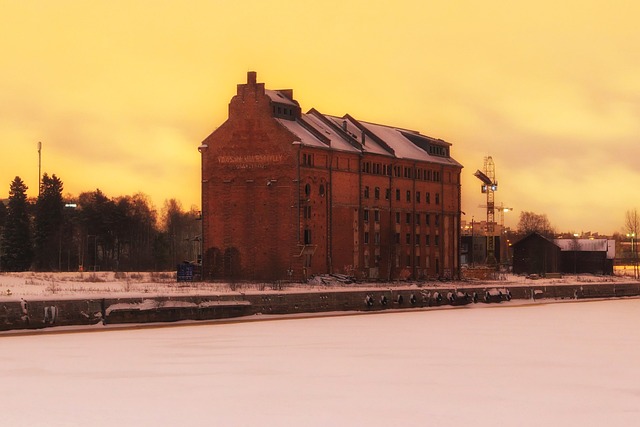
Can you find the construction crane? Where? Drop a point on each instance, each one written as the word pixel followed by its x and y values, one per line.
pixel 489 186
pixel 501 209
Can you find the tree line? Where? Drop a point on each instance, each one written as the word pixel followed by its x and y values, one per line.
pixel 93 232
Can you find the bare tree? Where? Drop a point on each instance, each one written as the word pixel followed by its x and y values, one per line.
pixel 532 222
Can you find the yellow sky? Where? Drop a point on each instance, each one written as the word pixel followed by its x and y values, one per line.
pixel 122 92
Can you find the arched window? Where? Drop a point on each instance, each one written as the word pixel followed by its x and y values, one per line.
pixel 307 189
pixel 321 190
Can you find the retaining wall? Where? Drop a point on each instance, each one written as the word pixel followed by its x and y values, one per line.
pixel 36 314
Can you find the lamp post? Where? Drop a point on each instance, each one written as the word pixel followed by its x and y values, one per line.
pixel 39 166
pixel 634 254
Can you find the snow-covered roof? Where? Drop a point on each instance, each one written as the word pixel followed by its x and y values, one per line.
pixel 346 133
pixel 305 136
pixel 356 134
pixel 279 97
pixel 404 148
pixel 587 245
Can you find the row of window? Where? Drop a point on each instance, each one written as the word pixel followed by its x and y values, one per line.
pixel 408 172
pixel 307 190
pixel 401 171
pixel 417 238
pixel 284 112
pixel 416 241
pixel 387 195
pixel 408 217
pixel 417 262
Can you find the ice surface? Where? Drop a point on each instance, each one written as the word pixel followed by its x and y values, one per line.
pixel 562 364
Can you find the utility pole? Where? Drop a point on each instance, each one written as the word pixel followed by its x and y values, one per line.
pixel 39 166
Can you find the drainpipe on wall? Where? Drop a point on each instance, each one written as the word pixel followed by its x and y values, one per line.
pixel 442 219
pixel 329 201
pixel 392 228
pixel 203 208
pixel 413 224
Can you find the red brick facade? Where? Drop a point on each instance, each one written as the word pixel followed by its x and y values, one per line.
pixel 290 195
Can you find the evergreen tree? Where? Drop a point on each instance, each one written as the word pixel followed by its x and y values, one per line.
pixel 48 224
pixel 17 253
pixel 3 215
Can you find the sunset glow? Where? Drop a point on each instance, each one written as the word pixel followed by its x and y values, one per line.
pixel 122 93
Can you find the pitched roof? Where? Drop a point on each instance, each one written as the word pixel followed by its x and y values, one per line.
pixel 348 134
pixel 587 245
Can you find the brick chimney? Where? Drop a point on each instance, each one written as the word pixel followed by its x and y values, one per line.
pixel 252 77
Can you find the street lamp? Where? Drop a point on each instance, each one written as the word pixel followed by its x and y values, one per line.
pixel 634 252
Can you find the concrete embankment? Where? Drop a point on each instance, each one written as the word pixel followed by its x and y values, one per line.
pixel 49 312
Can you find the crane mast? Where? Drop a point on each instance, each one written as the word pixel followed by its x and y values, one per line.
pixel 489 186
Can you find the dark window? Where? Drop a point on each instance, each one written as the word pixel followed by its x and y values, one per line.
pixel 376 193
pixel 437 240
pixel 437 222
pixel 366 215
pixel 387 194
pixel 397 217
pixel 437 198
pixel 408 195
pixel 398 238
pixel 376 216
pixel 321 190
pixel 408 260
pixel 307 236
pixel 427 240
pixel 366 192
pixel 426 218
pixel 397 194
pixel 407 238
pixel 417 240
pixel 408 218
pixel 376 238
pixel 366 237
pixel 427 197
pixel 307 190
pixel 417 219
pixel 417 197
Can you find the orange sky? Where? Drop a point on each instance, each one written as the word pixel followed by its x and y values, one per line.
pixel 122 92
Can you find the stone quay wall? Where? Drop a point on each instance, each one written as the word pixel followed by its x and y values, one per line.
pixel 51 312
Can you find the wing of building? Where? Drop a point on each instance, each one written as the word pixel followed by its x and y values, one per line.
pixel 288 195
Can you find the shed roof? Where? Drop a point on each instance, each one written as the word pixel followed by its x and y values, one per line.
pixel 587 245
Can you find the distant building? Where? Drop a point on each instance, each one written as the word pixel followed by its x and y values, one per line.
pixel 593 256
pixel 535 254
pixel 287 195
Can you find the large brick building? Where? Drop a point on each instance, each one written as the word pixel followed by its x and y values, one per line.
pixel 289 195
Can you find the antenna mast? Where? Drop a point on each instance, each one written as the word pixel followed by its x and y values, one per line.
pixel 39 166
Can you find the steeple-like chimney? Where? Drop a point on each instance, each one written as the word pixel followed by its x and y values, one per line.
pixel 252 77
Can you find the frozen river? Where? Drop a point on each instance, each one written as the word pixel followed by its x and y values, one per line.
pixel 564 364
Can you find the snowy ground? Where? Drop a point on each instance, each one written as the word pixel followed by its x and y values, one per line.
pixel 108 284
pixel 561 364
